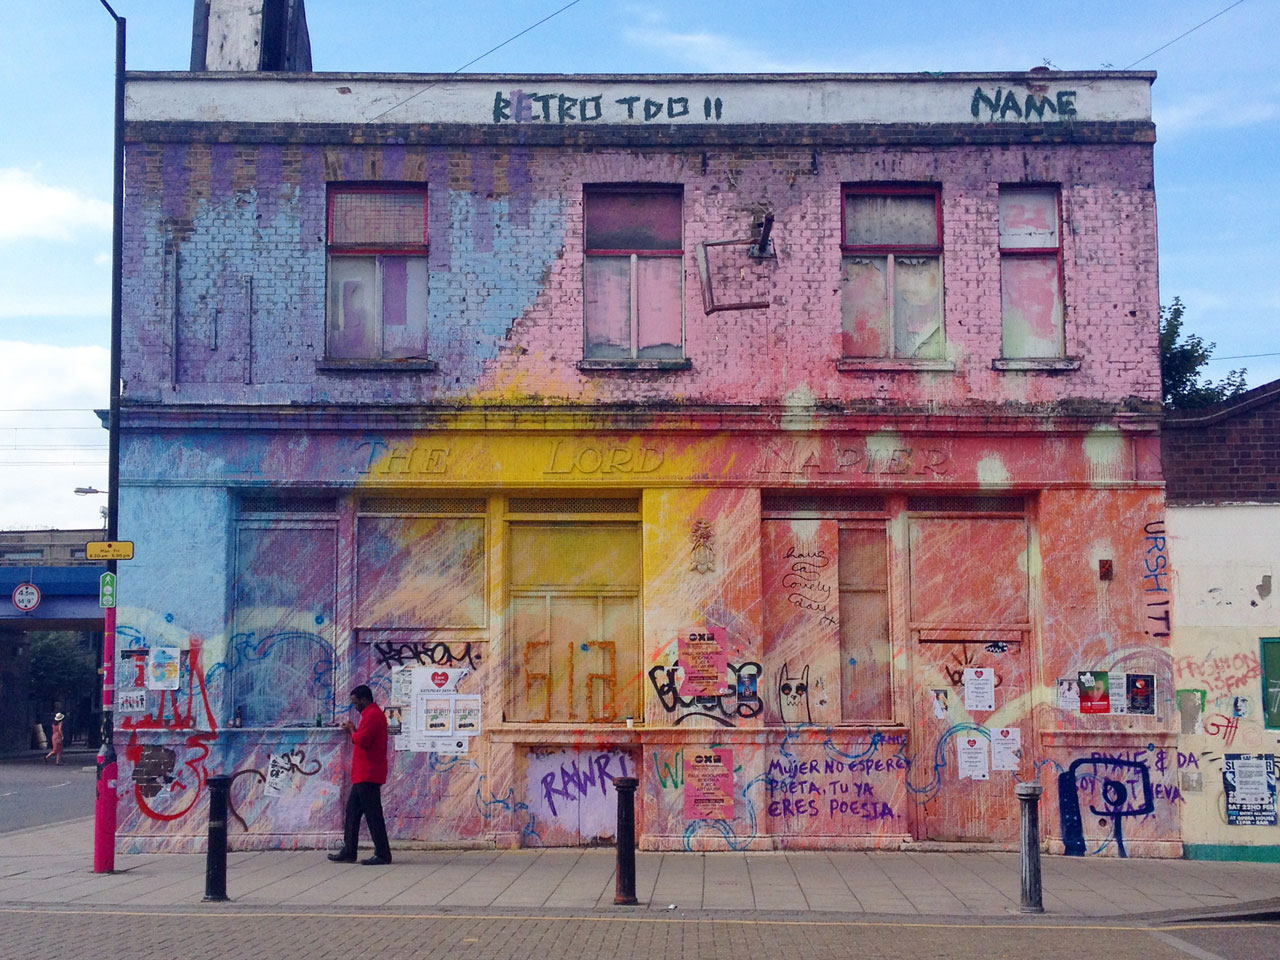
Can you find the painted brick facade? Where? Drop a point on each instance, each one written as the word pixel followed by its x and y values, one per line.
pixel 857 548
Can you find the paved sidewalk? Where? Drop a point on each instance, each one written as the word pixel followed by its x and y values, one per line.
pixel 53 865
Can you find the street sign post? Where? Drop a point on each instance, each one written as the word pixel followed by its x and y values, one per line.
pixel 108 550
pixel 107 590
pixel 26 597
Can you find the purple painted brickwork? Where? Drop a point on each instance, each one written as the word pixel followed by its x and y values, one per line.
pixel 505 299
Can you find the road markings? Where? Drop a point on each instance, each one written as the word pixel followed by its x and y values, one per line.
pixel 1190 949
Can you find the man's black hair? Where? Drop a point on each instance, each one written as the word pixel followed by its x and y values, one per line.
pixel 362 692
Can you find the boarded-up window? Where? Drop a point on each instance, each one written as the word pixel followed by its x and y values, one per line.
pixel 1030 273
pixel 280 656
pixel 420 572
pixel 575 622
pixel 865 658
pixel 377 302
pixel 633 276
pixel 891 292
pixel 1271 682
pixel 968 572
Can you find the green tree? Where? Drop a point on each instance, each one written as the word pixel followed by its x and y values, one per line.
pixel 1181 358
pixel 61 668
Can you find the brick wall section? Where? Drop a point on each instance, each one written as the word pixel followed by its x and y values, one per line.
pixel 225 266
pixel 1228 453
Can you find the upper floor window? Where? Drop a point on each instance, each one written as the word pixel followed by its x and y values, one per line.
pixel 1030 273
pixel 633 277
pixel 377 264
pixel 891 291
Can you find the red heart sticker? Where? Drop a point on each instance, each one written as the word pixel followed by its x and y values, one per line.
pixel 1004 733
pixel 439 678
pixel 973 743
pixel 977 673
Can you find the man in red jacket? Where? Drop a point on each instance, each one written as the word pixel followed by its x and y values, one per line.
pixel 368 774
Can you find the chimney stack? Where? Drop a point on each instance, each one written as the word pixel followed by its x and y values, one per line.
pixel 250 35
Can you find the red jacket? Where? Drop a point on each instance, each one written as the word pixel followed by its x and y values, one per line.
pixel 369 740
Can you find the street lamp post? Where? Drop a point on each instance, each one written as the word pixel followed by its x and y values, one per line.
pixel 104 813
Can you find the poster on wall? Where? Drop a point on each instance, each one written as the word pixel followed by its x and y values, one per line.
pixel 1250 784
pixel 1140 692
pixel 1069 694
pixel 403 738
pixel 971 757
pixel 430 720
pixel 1116 683
pixel 466 715
pixel 279 775
pixel 131 668
pixel 401 687
pixel 1094 691
pixel 940 699
pixel 131 701
pixel 163 668
pixel 708 784
pixel 704 662
pixel 979 688
pixel 1006 748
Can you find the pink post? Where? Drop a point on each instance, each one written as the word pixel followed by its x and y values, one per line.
pixel 104 810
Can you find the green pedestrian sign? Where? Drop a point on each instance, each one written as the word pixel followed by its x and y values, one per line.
pixel 107 590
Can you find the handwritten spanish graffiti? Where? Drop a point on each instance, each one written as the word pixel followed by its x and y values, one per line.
pixel 395 654
pixel 518 106
pixel 1124 788
pixel 812 788
pixel 1003 103
pixel 742 702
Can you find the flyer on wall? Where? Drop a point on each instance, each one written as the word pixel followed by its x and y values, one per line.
pixel 971 757
pixel 1094 691
pixel 704 662
pixel 708 784
pixel 979 688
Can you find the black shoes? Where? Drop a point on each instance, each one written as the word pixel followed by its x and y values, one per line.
pixel 376 861
pixel 341 857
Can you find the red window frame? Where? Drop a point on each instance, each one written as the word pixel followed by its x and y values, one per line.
pixel 891 190
pixel 632 189
pixel 347 189
pixel 1032 252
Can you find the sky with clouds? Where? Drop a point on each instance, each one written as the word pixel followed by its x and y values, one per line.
pixel 1216 104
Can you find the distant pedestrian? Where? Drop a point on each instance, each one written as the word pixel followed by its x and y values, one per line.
pixel 56 739
pixel 368 774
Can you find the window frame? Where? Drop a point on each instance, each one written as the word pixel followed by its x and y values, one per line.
pixel 377 251
pixel 1062 361
pixel 893 359
pixel 634 361
pixel 1263 643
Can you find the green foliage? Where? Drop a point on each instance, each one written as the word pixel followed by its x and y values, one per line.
pixel 61 669
pixel 1180 361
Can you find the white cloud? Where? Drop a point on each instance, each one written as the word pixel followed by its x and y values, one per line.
pixel 51 441
pixel 35 210
pixel 1206 111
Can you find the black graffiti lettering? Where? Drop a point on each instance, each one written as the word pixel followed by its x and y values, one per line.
pixel 544 99
pixel 682 103
pixel 630 104
pixel 1127 779
pixel 652 109
pixel 1037 104
pixel 1066 103
pixel 501 108
pixel 742 702
pixel 565 107
pixel 980 100
pixel 592 102
pixel 397 654
pixel 1010 103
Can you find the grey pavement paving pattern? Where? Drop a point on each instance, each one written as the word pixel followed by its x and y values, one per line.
pixel 53 865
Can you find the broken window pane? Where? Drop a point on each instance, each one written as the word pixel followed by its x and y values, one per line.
pixel 917 307
pixel 1028 218
pixel 1031 307
pixel 864 307
pixel 876 220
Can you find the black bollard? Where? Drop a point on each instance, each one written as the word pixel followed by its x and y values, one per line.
pixel 625 889
pixel 1032 895
pixel 215 865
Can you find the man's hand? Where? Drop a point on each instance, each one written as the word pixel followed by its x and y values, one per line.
pixel 348 726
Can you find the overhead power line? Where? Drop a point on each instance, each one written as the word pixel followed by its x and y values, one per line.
pixel 514 36
pixel 1181 35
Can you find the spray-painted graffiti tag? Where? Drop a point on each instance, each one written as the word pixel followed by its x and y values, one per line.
pixel 742 702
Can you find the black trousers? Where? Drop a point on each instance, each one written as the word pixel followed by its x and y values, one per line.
pixel 365 800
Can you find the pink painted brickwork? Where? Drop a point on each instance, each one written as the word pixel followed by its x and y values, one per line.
pixel 225 274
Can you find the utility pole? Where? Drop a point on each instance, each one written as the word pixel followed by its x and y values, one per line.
pixel 104 811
